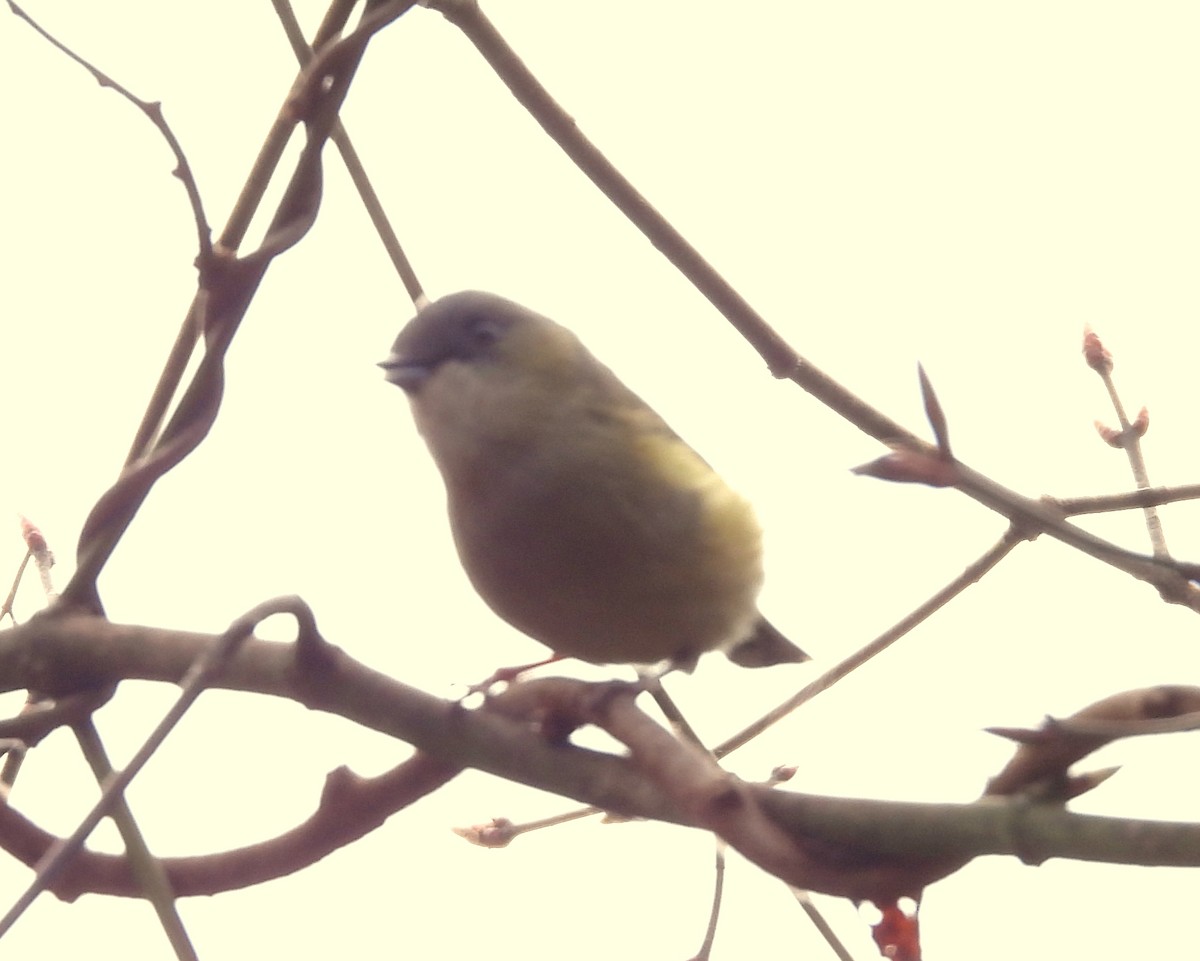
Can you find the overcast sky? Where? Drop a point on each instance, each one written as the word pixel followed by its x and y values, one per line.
pixel 957 184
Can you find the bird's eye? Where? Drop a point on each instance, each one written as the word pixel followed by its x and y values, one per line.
pixel 483 332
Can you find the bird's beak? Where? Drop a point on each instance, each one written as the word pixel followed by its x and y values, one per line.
pixel 405 374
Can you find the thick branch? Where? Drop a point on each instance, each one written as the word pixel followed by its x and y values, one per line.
pixel 884 843
pixel 67 653
pixel 350 808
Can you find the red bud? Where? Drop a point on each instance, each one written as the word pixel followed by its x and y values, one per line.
pixel 1113 438
pixel 1099 359
pixel 497 833
pixel 897 933
pixel 32 536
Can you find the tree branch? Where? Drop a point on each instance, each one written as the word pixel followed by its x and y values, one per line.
pixel 350 807
pixel 851 847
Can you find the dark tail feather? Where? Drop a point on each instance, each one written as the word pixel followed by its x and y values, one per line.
pixel 765 648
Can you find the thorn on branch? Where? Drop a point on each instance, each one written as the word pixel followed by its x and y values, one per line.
pixel 1040 765
pixel 1078 784
pixel 906 465
pixel 935 414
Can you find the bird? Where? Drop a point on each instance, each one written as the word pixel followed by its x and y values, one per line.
pixel 580 517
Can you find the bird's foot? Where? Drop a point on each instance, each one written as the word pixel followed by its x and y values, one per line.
pixel 506 675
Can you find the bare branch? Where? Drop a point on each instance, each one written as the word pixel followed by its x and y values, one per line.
pixel 206 666
pixel 152 881
pixel 353 163
pixel 1129 438
pixel 1045 755
pixel 973 573
pixel 1149 497
pixel 1168 577
pixel 350 807
pixel 153 110
pixel 227 285
pixel 31 725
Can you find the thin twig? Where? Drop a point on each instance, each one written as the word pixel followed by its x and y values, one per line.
pixel 969 576
pixel 17 750
pixel 271 152
pixel 1170 578
pixel 670 710
pixel 354 166
pixel 146 868
pixel 714 913
pixel 227 286
pixel 1101 361
pixel 34 724
pixel 466 15
pixel 153 110
pixel 818 919
pixel 199 675
pixel 39 551
pixel 1148 497
pixel 149 872
pixel 10 599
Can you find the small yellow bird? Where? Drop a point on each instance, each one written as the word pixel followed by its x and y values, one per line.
pixel 580 517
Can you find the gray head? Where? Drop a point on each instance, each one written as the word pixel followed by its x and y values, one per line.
pixel 470 327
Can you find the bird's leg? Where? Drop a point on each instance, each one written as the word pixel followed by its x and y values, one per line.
pixel 509 674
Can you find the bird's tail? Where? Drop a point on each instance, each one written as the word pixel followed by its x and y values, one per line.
pixel 765 648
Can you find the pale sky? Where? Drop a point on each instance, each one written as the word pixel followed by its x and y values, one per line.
pixel 962 185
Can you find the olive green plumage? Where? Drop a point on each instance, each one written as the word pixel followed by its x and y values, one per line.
pixel 580 517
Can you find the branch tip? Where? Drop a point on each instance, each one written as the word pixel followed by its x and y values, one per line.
pixel 1095 354
pixel 496 833
pixel 906 466
pixel 935 414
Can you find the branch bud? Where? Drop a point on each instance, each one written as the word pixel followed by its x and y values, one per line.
pixel 1113 438
pixel 1099 359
